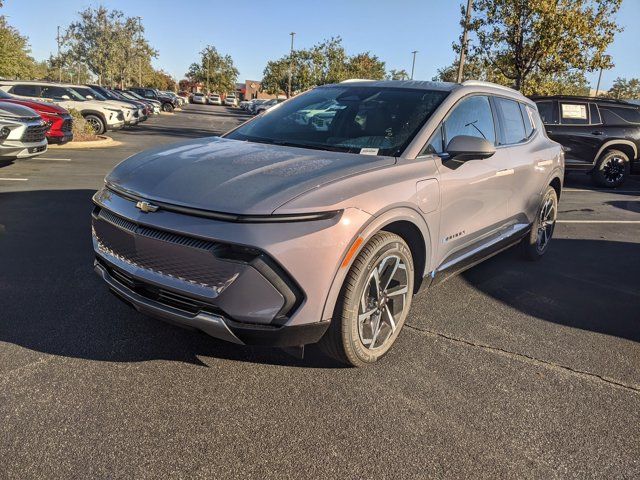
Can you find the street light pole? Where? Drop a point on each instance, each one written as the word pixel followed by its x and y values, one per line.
pixel 290 65
pixel 59 59
pixel 598 85
pixel 463 47
pixel 413 65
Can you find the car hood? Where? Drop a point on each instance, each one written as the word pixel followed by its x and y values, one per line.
pixel 37 106
pixel 233 176
pixel 14 111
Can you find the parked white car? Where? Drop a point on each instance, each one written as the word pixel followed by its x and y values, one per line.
pixel 231 100
pixel 22 132
pixel 198 98
pixel 131 115
pixel 101 116
pixel 214 99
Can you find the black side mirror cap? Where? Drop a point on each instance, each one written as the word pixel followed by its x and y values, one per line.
pixel 466 147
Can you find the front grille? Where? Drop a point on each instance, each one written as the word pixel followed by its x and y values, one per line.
pixel 67 125
pixel 120 116
pixel 35 133
pixel 192 260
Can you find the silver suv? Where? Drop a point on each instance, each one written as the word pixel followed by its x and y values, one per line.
pixel 286 232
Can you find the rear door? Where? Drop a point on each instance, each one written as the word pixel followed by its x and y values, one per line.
pixel 579 131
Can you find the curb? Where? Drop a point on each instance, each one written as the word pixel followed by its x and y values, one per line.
pixel 103 142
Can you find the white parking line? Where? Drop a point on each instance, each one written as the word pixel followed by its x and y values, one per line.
pixel 600 190
pixel 600 221
pixel 52 159
pixel 13 179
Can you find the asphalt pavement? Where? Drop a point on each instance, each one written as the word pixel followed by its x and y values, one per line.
pixel 510 370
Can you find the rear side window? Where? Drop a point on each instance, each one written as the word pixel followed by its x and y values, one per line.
pixel 527 116
pixel 595 114
pixel 53 92
pixel 511 121
pixel 547 112
pixel 574 113
pixel 26 90
pixel 624 114
pixel 473 117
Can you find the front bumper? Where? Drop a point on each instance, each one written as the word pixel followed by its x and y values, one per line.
pixel 263 279
pixel 18 149
pixel 115 125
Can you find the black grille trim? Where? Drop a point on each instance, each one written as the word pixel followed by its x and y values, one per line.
pixel 35 133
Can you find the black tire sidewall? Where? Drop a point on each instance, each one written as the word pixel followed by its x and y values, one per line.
pixel 357 353
pixel 99 120
pixel 531 241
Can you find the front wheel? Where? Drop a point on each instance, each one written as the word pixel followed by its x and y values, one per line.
pixel 96 124
pixel 373 304
pixel 612 169
pixel 167 107
pixel 535 244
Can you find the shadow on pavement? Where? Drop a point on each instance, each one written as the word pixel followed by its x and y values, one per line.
pixel 630 206
pixel 52 302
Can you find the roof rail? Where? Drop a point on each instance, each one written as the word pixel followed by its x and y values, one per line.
pixel 481 83
pixel 349 80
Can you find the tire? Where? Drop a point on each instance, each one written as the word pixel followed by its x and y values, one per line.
pixel 536 244
pixel 167 107
pixel 351 338
pixel 612 169
pixel 96 123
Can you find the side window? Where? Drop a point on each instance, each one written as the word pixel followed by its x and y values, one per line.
pixel 511 121
pixel 435 145
pixel 26 90
pixel 527 116
pixel 473 117
pixel 149 94
pixel 547 112
pixel 627 114
pixel 574 114
pixel 594 113
pixel 53 92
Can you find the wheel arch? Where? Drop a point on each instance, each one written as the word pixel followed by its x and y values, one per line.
pixel 556 183
pixel 97 113
pixel 404 222
pixel 626 146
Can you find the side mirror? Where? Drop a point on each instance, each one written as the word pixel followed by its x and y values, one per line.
pixel 65 97
pixel 90 97
pixel 466 147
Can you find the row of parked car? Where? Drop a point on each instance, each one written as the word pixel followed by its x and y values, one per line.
pixel 257 106
pixel 213 99
pixel 36 113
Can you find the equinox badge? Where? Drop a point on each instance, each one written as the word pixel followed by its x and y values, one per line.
pixel 147 207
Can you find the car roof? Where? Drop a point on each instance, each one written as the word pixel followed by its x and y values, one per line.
pixel 414 84
pixel 583 98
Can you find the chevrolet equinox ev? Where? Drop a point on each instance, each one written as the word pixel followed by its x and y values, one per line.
pixel 298 227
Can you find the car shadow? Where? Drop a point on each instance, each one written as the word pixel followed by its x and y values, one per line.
pixel 630 206
pixel 5 162
pixel 52 302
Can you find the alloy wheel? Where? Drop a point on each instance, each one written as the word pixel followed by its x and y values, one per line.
pixel 95 124
pixel 383 302
pixel 613 169
pixel 546 223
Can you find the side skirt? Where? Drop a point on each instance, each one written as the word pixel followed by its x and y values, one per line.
pixel 474 257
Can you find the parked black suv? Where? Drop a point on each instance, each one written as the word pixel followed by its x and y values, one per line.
pixel 168 103
pixel 600 136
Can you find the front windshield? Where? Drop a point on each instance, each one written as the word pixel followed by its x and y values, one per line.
pixel 4 94
pixel 372 120
pixel 135 95
pixel 88 91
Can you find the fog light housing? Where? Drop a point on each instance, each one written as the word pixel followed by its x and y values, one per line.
pixel 4 132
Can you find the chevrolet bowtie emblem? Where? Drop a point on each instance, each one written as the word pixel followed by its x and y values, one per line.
pixel 147 207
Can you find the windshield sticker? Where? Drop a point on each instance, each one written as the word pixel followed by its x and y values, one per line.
pixel 369 151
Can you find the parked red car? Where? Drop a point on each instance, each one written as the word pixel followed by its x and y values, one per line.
pixel 60 119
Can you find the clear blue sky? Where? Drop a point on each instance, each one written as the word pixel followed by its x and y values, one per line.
pixel 254 32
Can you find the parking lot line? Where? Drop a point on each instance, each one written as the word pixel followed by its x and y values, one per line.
pixel 13 179
pixel 599 221
pixel 599 190
pixel 52 159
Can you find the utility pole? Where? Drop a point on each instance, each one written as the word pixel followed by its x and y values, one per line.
pixel 290 65
pixel 598 85
pixel 59 59
pixel 463 49
pixel 207 85
pixel 413 65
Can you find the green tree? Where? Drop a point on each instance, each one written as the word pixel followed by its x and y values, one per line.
pixel 111 45
pixel 523 39
pixel 216 71
pixel 625 89
pixel 365 65
pixel 397 75
pixel 15 58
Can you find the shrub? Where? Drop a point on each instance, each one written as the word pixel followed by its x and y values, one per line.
pixel 82 131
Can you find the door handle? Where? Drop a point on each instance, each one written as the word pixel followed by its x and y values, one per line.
pixel 505 171
pixel 597 132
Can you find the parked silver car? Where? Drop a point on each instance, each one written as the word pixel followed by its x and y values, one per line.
pixel 22 132
pixel 283 233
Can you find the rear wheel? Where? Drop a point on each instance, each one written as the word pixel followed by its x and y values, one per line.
pixel 535 245
pixel 612 169
pixel 96 124
pixel 373 304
